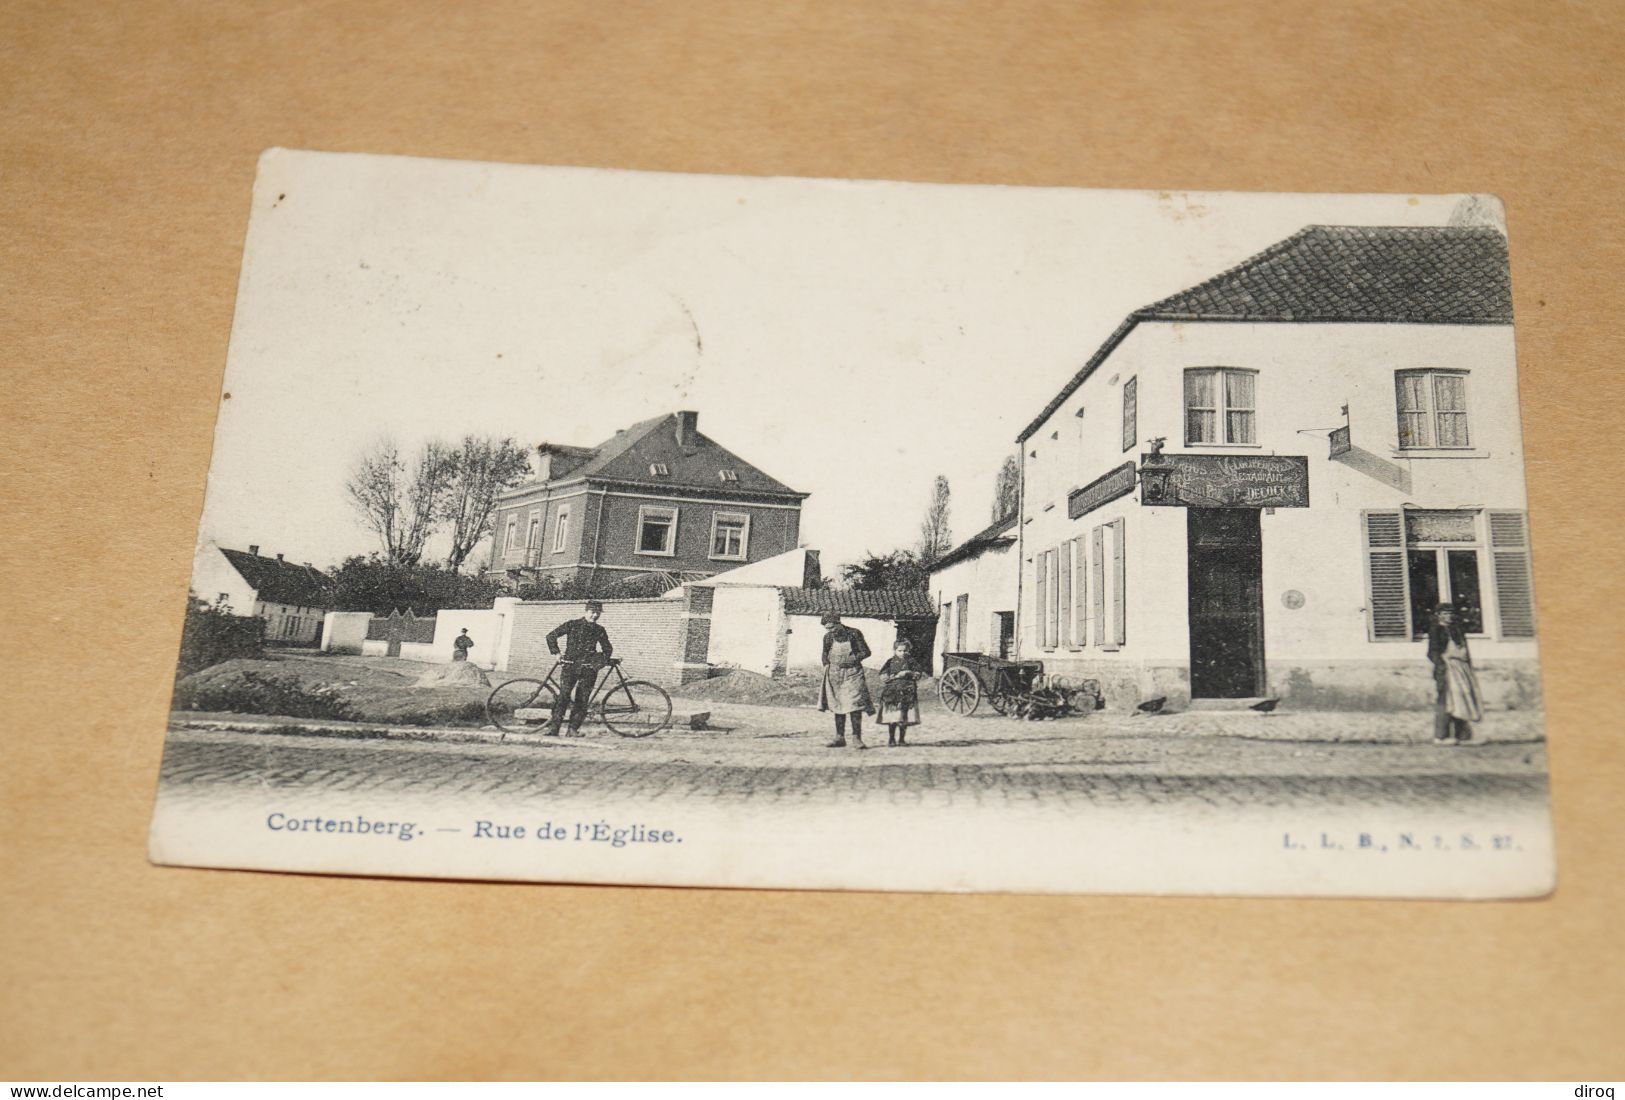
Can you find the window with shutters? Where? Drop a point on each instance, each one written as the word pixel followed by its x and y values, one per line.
pixel 1221 406
pixel 1388 601
pixel 1514 581
pixel 1065 601
pixel 1432 407
pixel 1417 559
pixel 1040 602
pixel 961 617
pixel 1131 413
pixel 1052 598
pixel 1097 585
pixel 1119 584
pixel 1078 554
pixel 1441 562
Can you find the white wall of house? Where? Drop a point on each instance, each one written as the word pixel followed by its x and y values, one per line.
pixel 290 624
pixel 1315 556
pixel 344 631
pixel 806 643
pixel 746 624
pixel 973 592
pixel 215 582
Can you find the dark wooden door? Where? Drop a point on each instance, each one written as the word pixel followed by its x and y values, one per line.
pixel 1006 622
pixel 1225 565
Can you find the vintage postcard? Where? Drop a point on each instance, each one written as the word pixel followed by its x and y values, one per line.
pixel 573 525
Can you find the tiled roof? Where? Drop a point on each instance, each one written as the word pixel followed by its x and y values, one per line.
pixel 885 603
pixel 994 535
pixel 277 581
pixel 1428 275
pixel 1431 275
pixel 695 464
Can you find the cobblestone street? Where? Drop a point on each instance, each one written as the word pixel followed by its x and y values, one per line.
pixel 777 755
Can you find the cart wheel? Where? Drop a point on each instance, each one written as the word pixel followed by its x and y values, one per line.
pixel 959 691
pixel 1000 702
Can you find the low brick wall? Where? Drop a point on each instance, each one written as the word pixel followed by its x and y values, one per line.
pixel 650 636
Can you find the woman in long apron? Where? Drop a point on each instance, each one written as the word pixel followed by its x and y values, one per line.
pixel 1458 705
pixel 844 690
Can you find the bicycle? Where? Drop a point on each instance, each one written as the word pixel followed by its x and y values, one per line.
pixel 630 708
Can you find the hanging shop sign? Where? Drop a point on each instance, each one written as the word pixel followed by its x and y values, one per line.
pixel 1225 481
pixel 1102 490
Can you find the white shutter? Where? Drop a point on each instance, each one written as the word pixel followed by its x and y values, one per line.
pixel 1388 586
pixel 1514 583
pixel 1098 578
pixel 1119 585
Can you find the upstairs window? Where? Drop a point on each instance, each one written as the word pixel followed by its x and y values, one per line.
pixel 727 475
pixel 510 537
pixel 657 530
pixel 730 536
pixel 561 527
pixel 533 537
pixel 1432 408
pixel 1221 406
pixel 1131 413
pixel 659 469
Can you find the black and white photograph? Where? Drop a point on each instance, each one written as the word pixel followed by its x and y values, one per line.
pixel 592 526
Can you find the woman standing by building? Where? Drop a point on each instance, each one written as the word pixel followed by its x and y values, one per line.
pixel 844 691
pixel 1458 704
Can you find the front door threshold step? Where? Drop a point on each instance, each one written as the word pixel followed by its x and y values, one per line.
pixel 1228 704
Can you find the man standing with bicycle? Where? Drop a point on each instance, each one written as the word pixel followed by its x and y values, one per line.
pixel 586 650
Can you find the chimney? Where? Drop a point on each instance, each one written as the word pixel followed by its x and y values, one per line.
pixel 254 548
pixel 279 557
pixel 688 424
pixel 544 463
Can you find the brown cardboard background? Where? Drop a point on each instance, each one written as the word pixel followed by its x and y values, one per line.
pixel 130 135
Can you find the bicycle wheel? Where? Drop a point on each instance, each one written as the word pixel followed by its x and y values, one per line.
pixel 521 706
pixel 636 708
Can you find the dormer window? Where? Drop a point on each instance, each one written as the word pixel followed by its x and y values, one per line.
pixel 727 475
pixel 659 469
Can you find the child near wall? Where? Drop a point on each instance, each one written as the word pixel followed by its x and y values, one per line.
pixel 899 695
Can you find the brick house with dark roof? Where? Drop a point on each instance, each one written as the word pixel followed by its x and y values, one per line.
pixel 657 500
pixel 1262 484
pixel 291 597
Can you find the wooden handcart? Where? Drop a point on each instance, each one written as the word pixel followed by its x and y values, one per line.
pixel 968 678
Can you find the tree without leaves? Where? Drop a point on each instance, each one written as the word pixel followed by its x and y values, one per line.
pixel 936 539
pixel 1007 489
pixel 400 504
pixel 480 468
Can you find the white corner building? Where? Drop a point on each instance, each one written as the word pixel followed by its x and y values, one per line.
pixel 1262 486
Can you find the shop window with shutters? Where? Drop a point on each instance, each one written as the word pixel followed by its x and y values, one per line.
pixel 657 531
pixel 1221 406
pixel 1441 563
pixel 1432 407
pixel 1417 559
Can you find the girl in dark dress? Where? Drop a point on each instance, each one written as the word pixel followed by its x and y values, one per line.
pixel 899 695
